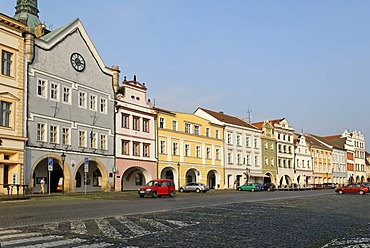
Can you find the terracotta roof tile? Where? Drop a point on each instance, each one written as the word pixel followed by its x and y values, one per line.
pixel 228 118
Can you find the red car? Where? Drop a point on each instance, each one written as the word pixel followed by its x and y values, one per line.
pixel 352 189
pixel 157 188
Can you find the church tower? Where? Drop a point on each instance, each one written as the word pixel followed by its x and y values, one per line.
pixel 27 13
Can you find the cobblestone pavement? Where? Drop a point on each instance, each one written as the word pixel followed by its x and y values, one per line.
pixel 325 221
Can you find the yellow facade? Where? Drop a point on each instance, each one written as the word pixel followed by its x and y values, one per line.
pixel 190 149
pixel 322 165
pixel 12 136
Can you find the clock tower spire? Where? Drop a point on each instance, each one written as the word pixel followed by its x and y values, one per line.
pixel 27 12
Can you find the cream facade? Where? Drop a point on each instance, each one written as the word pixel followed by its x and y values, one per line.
pixel 12 131
pixel 189 149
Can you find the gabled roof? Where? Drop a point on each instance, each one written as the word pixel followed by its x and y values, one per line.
pixel 53 38
pixel 273 122
pixel 228 118
pixel 315 143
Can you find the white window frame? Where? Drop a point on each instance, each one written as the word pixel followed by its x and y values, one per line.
pixel 174 125
pixel 82 99
pixel 103 142
pixel 103 105
pixel 93 102
pixel 41 134
pixel 54 92
pixel 187 150
pixel 82 139
pixel 66 136
pixel 53 134
pixel 44 87
pixel 198 153
pixel 162 146
pixel 67 92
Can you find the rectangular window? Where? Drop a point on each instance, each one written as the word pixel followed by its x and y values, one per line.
pixel 92 102
pixel 163 147
pixel 256 143
pixel 67 95
pixel 41 88
pixel 196 130
pixel 161 123
pixel 197 151
pixel 217 153
pixel 266 161
pixel 187 150
pixel 82 138
pixel 239 158
pixel 255 160
pixel 5 113
pixel 229 141
pixel 187 127
pixel 136 149
pixel 6 63
pixel 125 147
pixel 272 162
pixel 54 91
pixel 103 105
pixel 175 147
pixel 93 140
pixel 125 121
pixel 174 125
pixel 82 99
pixel 136 123
pixel 146 125
pixel 229 157
pixel 247 142
pixel 53 134
pixel 217 134
pixel 146 150
pixel 238 140
pixel 208 152
pixel 103 142
pixel 207 132
pixel 248 159
pixel 66 140
pixel 41 137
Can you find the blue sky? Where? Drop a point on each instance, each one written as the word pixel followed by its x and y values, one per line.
pixel 307 61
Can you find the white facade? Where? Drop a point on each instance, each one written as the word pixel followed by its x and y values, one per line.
pixel 285 153
pixel 359 156
pixel 303 164
pixel 242 149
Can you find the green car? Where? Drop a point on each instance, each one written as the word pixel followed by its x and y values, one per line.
pixel 249 187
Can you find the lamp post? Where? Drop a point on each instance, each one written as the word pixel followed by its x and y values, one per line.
pixel 178 175
pixel 63 157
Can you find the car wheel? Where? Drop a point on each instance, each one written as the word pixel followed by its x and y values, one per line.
pixel 361 192
pixel 340 192
pixel 197 190
pixel 240 189
pixel 154 194
pixel 181 190
pixel 172 194
pixel 252 190
pixel 268 189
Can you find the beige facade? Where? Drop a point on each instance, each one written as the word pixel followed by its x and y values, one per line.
pixel 12 133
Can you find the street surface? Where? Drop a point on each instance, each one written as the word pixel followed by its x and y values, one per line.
pixel 318 218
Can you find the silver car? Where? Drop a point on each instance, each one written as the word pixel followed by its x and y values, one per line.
pixel 196 187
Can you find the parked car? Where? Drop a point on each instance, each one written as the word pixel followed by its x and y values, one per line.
pixel 269 187
pixel 367 185
pixel 248 187
pixel 328 186
pixel 196 187
pixel 158 188
pixel 260 186
pixel 353 189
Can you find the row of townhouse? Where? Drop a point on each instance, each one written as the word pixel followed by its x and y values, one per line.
pixel 65 117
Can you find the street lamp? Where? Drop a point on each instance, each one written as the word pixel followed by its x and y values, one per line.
pixel 178 175
pixel 63 157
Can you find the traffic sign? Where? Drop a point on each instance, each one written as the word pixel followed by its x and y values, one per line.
pixel 50 164
pixel 86 168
